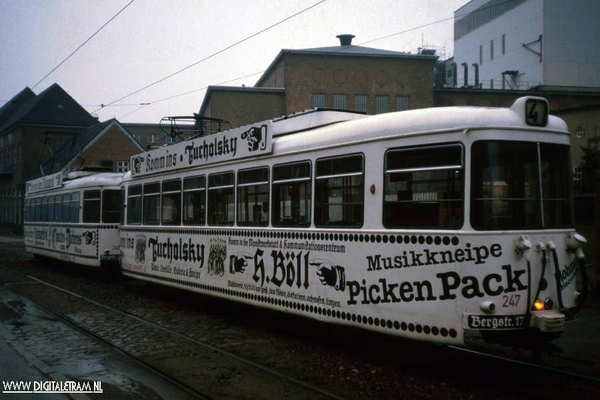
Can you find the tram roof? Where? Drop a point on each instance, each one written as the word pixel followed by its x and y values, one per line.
pixel 319 128
pixel 420 121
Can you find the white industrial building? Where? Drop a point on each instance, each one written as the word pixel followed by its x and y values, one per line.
pixel 519 44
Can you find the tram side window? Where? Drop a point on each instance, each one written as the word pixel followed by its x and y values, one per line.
pixel 134 204
pixel 44 209
pixel 339 191
pixel 171 202
pixel 221 202
pixel 111 206
pixel 424 187
pixel 66 207
pixel 292 194
pixel 51 208
pixel 253 197
pixel 58 208
pixel 151 206
pixel 91 206
pixel 36 209
pixel 194 200
pixel 74 207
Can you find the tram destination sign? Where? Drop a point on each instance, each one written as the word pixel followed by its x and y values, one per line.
pixel 243 142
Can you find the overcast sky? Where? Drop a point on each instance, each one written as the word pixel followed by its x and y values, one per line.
pixel 223 42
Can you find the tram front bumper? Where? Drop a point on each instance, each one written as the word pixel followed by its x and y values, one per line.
pixel 551 321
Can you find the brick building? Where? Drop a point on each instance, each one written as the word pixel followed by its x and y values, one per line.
pixel 342 77
pixel 49 132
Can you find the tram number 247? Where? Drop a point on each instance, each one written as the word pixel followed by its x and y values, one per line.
pixel 511 301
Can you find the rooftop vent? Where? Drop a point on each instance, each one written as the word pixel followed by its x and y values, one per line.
pixel 345 40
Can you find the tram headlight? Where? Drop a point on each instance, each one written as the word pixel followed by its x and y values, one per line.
pixel 538 305
pixel 547 304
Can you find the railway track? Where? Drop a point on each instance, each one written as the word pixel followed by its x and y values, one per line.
pixel 100 322
pixel 194 351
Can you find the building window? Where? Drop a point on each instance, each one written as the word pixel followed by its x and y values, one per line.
pixel 361 102
pixel 122 166
pixel 503 44
pixel 382 104
pixel 340 101
pixel 319 100
pixel 402 103
pixel 170 139
pixel 492 50
pixel 137 137
pixel 151 138
pixel 480 54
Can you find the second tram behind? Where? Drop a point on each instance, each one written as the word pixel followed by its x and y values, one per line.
pixel 74 217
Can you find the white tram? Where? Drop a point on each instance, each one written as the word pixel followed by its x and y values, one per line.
pixel 74 217
pixel 427 224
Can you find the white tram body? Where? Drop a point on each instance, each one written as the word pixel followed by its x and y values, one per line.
pixel 74 217
pixel 427 224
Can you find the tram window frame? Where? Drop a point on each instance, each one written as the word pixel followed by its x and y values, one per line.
pixel 74 207
pixel 51 208
pixel 38 208
pixel 58 208
pixel 66 207
pixel 91 206
pixel 291 192
pixel 111 205
pixel 170 202
pixel 151 203
pixel 44 209
pixel 424 187
pixel 253 196
pixel 194 200
pixel 339 191
pixel 221 199
pixel 134 205
pixel 506 189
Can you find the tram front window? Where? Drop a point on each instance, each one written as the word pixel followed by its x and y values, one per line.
pixel 520 185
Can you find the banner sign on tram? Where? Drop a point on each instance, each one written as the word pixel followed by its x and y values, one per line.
pixel 246 141
pixel 44 183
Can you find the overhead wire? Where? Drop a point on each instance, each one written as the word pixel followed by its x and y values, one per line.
pixel 83 44
pixel 213 55
pixel 303 61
